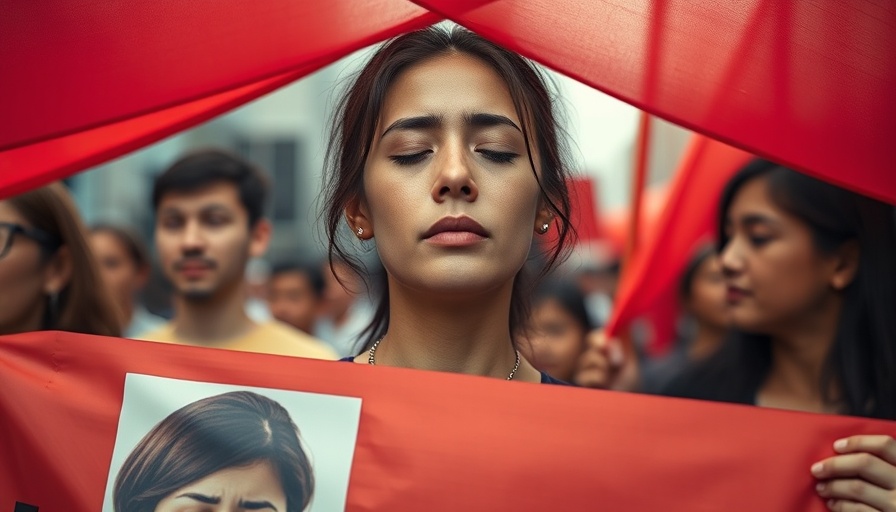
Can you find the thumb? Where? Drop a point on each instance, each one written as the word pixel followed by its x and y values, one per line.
pixel 615 353
pixel 611 348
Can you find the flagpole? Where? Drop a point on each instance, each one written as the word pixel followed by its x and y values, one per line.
pixel 639 181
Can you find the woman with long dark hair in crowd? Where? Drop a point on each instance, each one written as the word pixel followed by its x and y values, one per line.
pixel 49 278
pixel 445 152
pixel 810 270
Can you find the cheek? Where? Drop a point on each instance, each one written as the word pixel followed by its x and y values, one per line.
pixel 708 297
pixel 21 282
pixel 573 342
pixel 166 247
pixel 229 246
pixel 391 201
pixel 790 276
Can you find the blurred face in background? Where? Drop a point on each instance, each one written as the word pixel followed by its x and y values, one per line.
pixel 776 277
pixel 204 240
pixel 292 299
pixel 557 339
pixel 707 301
pixel 119 271
pixel 338 300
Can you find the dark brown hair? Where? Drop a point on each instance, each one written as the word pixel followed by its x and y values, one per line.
pixel 358 113
pixel 234 429
pixel 205 167
pixel 84 304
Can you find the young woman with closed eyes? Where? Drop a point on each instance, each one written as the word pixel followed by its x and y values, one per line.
pixel 446 157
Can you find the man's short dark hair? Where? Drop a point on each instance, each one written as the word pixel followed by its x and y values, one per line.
pixel 203 168
pixel 310 271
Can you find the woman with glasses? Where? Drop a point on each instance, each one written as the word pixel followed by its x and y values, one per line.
pixel 48 278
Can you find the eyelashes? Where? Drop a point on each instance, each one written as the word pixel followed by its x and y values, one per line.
pixel 411 159
pixel 498 157
pixel 759 241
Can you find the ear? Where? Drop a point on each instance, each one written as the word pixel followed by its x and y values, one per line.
pixel 847 265
pixel 357 214
pixel 58 271
pixel 543 217
pixel 259 238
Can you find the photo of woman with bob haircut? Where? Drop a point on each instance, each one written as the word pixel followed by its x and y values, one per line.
pixel 231 452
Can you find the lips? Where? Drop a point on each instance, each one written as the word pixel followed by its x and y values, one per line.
pixel 194 267
pixel 462 227
pixel 734 294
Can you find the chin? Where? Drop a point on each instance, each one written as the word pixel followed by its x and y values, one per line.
pixel 197 294
pixel 750 324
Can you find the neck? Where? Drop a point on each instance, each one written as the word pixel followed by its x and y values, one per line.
pixel 799 353
pixel 705 342
pixel 461 335
pixel 214 320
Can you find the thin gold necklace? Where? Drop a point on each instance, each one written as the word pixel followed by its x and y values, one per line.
pixel 371 358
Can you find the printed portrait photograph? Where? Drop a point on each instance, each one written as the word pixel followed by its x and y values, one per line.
pixel 186 446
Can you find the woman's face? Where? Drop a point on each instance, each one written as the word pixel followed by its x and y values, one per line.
pixel 707 302
pixel 119 271
pixel 557 339
pixel 450 194
pixel 775 276
pixel 239 489
pixel 22 279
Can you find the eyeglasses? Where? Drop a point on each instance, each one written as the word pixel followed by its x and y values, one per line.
pixel 9 230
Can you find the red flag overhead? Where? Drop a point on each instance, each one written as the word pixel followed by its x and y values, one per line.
pixel 425 440
pixel 96 80
pixel 808 84
pixel 688 218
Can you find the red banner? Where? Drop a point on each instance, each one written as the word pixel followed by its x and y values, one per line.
pixel 425 440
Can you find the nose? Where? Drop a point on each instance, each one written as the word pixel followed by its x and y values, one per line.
pixel 192 238
pixel 455 178
pixel 731 259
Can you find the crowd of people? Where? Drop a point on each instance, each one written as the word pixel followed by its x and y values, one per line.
pixel 446 157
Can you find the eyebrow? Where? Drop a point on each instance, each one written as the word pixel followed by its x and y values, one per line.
pixel 430 121
pixel 214 207
pixel 752 219
pixel 214 500
pixel 483 120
